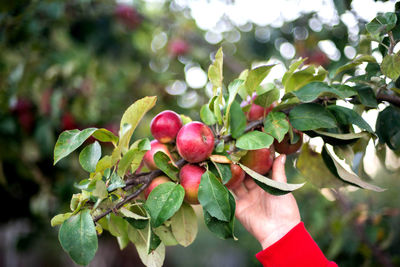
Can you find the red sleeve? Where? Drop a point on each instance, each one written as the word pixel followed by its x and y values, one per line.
pixel 296 248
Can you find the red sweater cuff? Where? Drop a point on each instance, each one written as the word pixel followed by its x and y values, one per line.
pixel 296 248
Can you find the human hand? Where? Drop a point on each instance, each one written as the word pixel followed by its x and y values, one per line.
pixel 267 217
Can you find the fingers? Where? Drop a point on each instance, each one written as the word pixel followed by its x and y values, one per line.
pixel 278 169
pixel 249 183
pixel 240 191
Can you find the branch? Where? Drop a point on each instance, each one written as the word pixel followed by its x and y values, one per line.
pixel 392 99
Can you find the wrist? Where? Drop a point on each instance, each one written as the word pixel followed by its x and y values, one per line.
pixel 277 234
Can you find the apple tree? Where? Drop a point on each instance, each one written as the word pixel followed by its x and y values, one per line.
pixel 243 124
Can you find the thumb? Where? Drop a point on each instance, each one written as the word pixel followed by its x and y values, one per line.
pixel 278 169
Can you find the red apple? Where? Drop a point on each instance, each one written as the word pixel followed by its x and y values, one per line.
pixel 195 142
pixel 165 126
pixel 190 177
pixel 155 147
pixel 256 112
pixel 156 181
pixel 285 147
pixel 259 160
pixel 178 47
pixel 237 176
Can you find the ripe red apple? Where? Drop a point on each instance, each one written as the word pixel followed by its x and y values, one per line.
pixel 285 147
pixel 178 47
pixel 190 177
pixel 256 112
pixel 195 142
pixel 237 176
pixel 155 147
pixel 165 126
pixel 156 181
pixel 259 160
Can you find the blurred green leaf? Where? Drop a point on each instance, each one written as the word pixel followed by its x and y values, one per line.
pixel 223 171
pixel 215 71
pixel 60 218
pixel 101 190
pixel 346 116
pixel 266 95
pixel 115 182
pixel 207 116
pixel 367 96
pixel 166 236
pixel 313 90
pixel 104 135
pixel 386 129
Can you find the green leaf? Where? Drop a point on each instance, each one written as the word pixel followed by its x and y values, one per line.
pixel 60 218
pixel 78 237
pixel 223 171
pixel 233 89
pixel 388 127
pixel 346 116
pixel 104 135
pixel 346 136
pixel 214 197
pixel 220 228
pixel 255 77
pixel 166 236
pixel 311 116
pixel 70 140
pixel 128 213
pixel 269 185
pixel 302 77
pixel 347 175
pixel 185 119
pixel 131 119
pixel 367 96
pixel 115 182
pixel 101 190
pixel 163 201
pixel 254 140
pixel 215 71
pixel 313 90
pixel 312 167
pixel 391 66
pixel 184 225
pixel 355 62
pixel 382 23
pixel 276 125
pixel 217 109
pixel 140 238
pixel 267 95
pixel 128 158
pixel 292 68
pixel 237 120
pixel 89 157
pixel 103 164
pixel 207 116
pixel 153 241
pixel 164 163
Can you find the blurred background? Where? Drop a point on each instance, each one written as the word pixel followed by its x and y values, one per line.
pixel 81 63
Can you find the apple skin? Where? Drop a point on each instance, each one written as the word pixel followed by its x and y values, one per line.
pixel 156 181
pixel 285 147
pixel 237 176
pixel 256 112
pixel 165 126
pixel 155 147
pixel 190 177
pixel 259 160
pixel 195 142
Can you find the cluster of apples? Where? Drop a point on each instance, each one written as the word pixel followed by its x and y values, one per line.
pixel 195 144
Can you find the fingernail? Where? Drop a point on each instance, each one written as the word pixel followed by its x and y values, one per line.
pixel 283 158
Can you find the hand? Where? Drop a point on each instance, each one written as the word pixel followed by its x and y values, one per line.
pixel 267 217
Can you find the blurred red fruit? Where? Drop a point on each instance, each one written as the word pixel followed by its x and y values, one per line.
pixel 128 16
pixel 178 47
